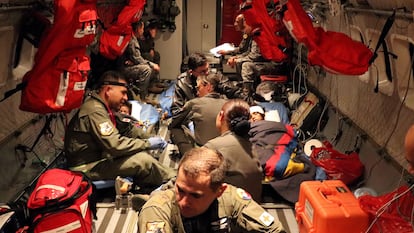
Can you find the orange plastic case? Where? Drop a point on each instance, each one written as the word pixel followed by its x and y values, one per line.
pixel 329 207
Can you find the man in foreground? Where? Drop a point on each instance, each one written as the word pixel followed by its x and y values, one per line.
pixel 201 202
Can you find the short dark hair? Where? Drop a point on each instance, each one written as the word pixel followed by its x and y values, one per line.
pixel 136 25
pixel 196 60
pixel 205 160
pixel 213 79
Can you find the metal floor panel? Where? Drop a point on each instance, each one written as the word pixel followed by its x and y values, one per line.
pixel 111 220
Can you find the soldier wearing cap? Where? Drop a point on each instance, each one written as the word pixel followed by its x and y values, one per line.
pixel 200 201
pixel 95 143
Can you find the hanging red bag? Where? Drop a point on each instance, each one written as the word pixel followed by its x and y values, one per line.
pixel 345 167
pixel 391 212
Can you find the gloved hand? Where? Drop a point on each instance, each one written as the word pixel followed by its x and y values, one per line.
pixel 157 143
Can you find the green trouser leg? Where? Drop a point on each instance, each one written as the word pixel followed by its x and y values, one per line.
pixel 142 167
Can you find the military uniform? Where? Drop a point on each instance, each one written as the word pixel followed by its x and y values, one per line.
pixel 185 90
pixel 234 211
pixel 202 111
pixel 140 70
pixel 251 65
pixel 252 55
pixel 243 46
pixel 147 44
pixel 245 170
pixel 94 145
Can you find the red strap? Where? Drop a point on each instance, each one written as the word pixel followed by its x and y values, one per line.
pixel 111 115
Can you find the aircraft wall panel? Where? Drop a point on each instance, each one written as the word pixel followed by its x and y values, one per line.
pixel 382 116
pixel 400 46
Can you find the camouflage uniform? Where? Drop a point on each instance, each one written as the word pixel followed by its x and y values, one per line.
pixel 95 146
pixel 251 65
pixel 140 71
pixel 243 46
pixel 234 211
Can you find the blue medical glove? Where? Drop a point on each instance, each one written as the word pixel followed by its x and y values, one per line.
pixel 157 143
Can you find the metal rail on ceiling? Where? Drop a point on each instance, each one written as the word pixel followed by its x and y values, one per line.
pixel 398 14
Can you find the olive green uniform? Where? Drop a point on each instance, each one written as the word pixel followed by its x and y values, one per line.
pixel 94 145
pixel 244 169
pixel 234 211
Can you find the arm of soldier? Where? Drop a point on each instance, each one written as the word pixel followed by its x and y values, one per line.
pixel 178 100
pixel 242 58
pixel 136 132
pixel 136 56
pixel 178 135
pixel 235 51
pixel 227 88
pixel 182 116
pixel 127 126
pixel 111 140
pixel 251 216
pixel 154 219
pixel 255 54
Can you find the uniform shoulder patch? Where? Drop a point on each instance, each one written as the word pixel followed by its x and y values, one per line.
pixel 106 128
pixel 243 194
pixel 155 227
pixel 266 218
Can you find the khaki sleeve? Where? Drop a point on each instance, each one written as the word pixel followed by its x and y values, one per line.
pixel 183 116
pixel 111 140
pixel 251 217
pixel 154 219
pixel 256 219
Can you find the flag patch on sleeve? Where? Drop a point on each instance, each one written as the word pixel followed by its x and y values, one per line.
pixel 155 227
pixel 105 128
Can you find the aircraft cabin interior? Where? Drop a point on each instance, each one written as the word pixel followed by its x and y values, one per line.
pixel 339 158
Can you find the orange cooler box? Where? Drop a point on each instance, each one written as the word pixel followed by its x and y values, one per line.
pixel 329 207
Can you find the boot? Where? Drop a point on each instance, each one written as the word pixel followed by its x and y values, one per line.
pixel 247 92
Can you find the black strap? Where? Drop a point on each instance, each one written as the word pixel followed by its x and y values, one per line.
pixel 46 129
pixel 387 61
pixel 101 23
pixel 384 32
pixel 11 92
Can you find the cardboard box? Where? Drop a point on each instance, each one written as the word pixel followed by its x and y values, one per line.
pixel 329 207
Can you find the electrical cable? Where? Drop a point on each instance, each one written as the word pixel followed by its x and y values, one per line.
pixel 384 207
pixel 395 124
pixel 398 205
pixel 401 106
